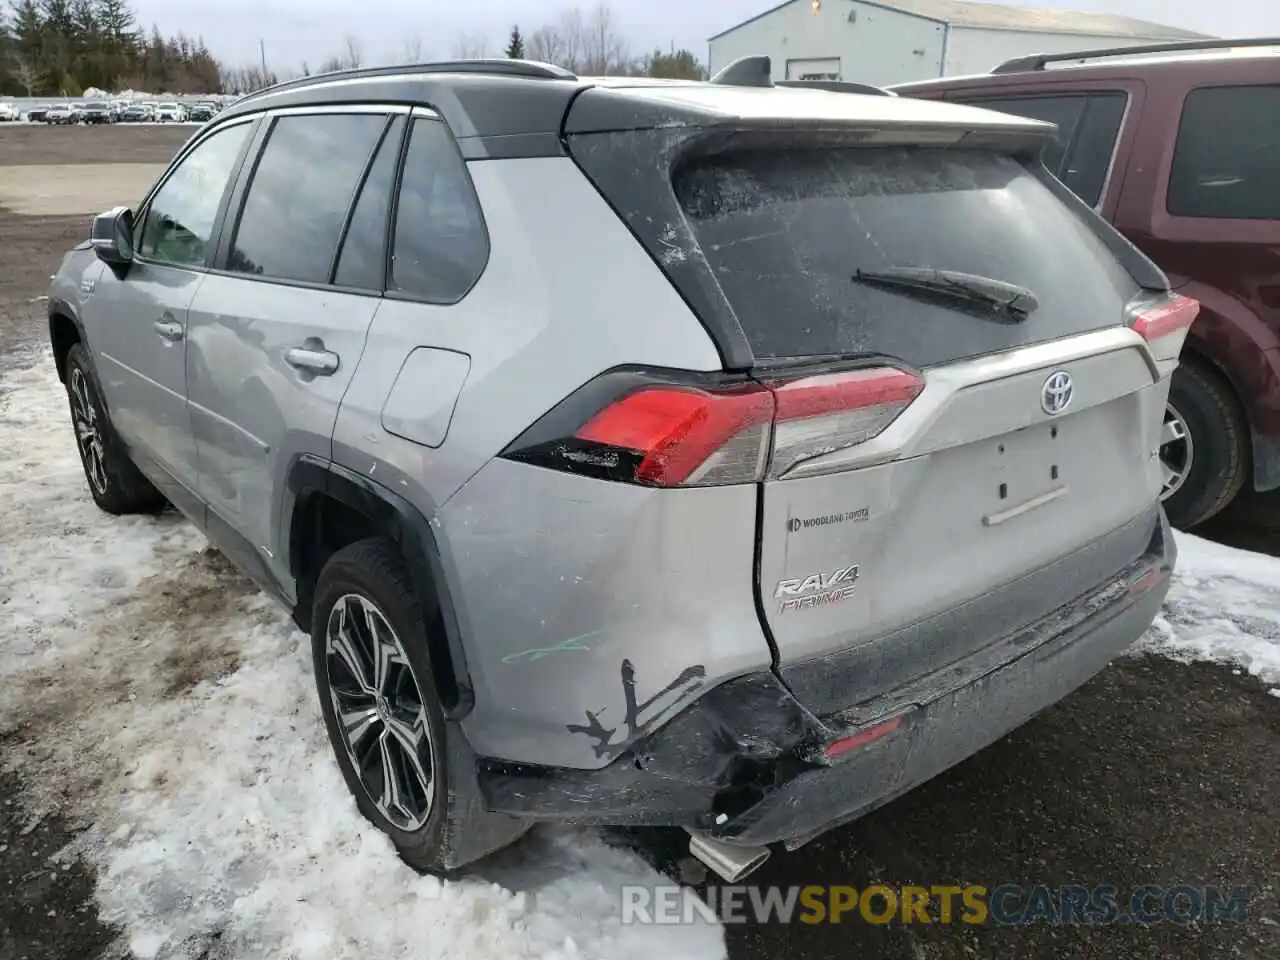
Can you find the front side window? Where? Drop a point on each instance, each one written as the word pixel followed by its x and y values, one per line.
pixel 1224 162
pixel 179 221
pixel 440 246
pixel 302 188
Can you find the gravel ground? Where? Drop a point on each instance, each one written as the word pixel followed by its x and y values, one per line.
pixel 1155 772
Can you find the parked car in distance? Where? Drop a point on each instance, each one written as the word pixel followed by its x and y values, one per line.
pixel 136 113
pixel 8 112
pixel 1176 145
pixel 859 476
pixel 96 111
pixel 201 112
pixel 169 112
pixel 38 113
pixel 62 113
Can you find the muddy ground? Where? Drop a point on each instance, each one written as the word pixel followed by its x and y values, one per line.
pixel 1154 772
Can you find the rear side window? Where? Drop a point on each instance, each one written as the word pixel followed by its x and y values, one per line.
pixel 1088 159
pixel 302 188
pixel 362 262
pixel 1088 126
pixel 440 246
pixel 784 232
pixel 1064 111
pixel 1224 162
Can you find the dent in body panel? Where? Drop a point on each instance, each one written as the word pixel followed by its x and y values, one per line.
pixel 421 402
pixel 661 579
pixel 536 326
pixel 252 413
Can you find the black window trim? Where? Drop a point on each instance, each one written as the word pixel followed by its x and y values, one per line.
pixel 230 224
pixel 215 238
pixel 982 98
pixel 359 192
pixel 417 114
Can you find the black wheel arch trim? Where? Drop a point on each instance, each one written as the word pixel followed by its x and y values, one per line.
pixel 430 564
pixel 61 309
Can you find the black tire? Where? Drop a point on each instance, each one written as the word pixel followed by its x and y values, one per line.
pixel 1219 442
pixel 457 829
pixel 115 483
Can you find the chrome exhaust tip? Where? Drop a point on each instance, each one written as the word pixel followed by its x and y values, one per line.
pixel 730 861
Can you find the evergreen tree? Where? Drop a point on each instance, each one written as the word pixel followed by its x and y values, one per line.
pixel 515 45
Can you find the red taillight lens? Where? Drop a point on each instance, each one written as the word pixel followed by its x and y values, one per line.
pixel 1165 325
pixel 677 434
pixel 1176 313
pixel 688 435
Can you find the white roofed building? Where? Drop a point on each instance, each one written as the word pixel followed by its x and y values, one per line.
pixel 895 41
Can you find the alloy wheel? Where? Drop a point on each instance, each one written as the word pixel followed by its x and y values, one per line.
pixel 1177 452
pixel 84 416
pixel 380 712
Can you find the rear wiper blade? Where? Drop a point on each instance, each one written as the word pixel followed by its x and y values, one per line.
pixel 1014 302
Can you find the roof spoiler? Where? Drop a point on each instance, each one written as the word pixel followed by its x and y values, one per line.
pixel 837 86
pixel 1038 61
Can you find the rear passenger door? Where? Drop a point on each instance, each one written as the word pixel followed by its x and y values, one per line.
pixel 1083 154
pixel 274 335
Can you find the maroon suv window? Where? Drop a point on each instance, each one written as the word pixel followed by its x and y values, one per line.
pixel 1224 163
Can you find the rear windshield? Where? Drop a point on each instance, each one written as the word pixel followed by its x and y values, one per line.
pixel 784 232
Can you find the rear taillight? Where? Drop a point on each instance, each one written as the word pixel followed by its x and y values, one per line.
pixel 822 414
pixel 1164 326
pixel 668 434
pixel 682 435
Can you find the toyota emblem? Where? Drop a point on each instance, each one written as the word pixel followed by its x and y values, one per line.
pixel 1056 394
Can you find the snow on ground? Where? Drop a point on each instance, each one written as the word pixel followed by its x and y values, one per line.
pixel 166 707
pixel 1224 607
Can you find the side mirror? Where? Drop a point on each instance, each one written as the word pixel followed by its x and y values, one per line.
pixel 111 236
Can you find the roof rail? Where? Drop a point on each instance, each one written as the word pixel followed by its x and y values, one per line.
pixel 837 86
pixel 532 69
pixel 1038 61
pixel 754 71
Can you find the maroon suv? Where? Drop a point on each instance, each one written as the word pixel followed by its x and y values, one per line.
pixel 1178 145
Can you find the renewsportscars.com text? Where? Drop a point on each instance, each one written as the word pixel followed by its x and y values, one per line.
pixel 1004 904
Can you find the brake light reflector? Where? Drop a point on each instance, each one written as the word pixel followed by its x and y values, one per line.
pixel 822 414
pixel 684 434
pixel 1174 314
pixel 862 738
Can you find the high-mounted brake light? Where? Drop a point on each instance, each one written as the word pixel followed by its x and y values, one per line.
pixel 676 434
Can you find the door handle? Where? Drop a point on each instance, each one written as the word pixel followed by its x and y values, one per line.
pixel 171 330
pixel 316 361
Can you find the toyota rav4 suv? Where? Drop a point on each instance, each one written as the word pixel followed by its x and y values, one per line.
pixel 706 454
pixel 1176 145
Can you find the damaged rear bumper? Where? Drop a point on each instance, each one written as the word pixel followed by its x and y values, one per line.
pixel 747 763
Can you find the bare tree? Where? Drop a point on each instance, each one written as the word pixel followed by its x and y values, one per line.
pixel 411 49
pixel 353 54
pixel 470 47
pixel 572 31
pixel 603 49
pixel 546 44
pixel 26 74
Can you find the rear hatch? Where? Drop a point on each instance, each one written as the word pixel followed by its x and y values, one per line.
pixel 961 396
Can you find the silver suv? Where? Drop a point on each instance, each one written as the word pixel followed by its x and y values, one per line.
pixel 718 455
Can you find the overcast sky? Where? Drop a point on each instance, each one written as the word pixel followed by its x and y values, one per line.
pixel 298 30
